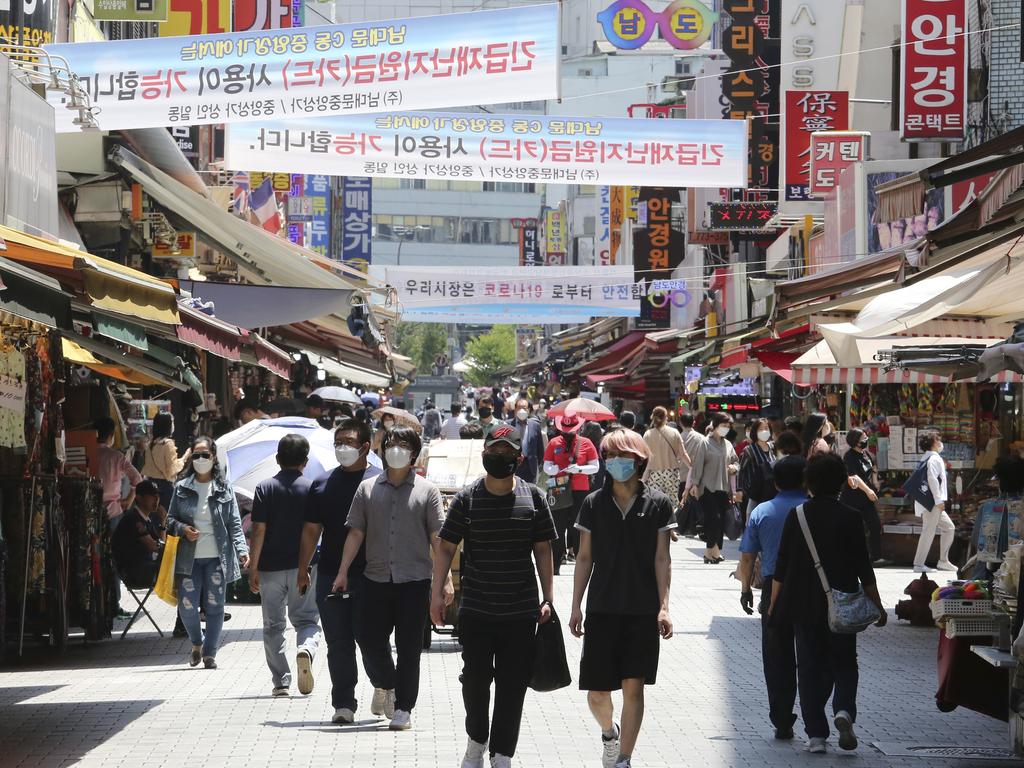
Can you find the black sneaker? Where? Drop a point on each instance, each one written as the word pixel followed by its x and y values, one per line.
pixel 784 734
pixel 209 662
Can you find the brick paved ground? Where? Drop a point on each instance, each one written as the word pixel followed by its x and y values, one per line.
pixel 136 703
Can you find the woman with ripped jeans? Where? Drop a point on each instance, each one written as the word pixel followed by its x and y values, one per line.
pixel 205 515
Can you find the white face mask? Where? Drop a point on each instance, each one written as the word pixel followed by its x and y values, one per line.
pixel 346 455
pixel 202 466
pixel 722 430
pixel 522 414
pixel 398 458
pixel 939 448
pixel 764 435
pixel 389 425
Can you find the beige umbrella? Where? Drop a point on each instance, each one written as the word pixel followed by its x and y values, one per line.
pixel 402 417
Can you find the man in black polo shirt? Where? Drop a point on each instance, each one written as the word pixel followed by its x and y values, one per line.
pixel 624 557
pixel 327 507
pixel 503 521
pixel 278 508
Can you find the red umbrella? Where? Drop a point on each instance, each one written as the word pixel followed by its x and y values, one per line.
pixel 588 410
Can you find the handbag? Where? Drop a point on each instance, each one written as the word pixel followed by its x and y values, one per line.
pixel 848 612
pixel 560 486
pixel 916 487
pixel 733 524
pixel 550 667
pixel 165 588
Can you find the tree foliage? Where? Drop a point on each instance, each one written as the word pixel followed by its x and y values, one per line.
pixel 423 342
pixel 490 353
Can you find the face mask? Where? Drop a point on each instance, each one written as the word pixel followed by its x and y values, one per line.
pixel 202 466
pixel 620 470
pixel 500 467
pixel 568 436
pixel 939 448
pixel 522 414
pixel 863 445
pixel 398 458
pixel 485 413
pixel 764 435
pixel 389 425
pixel 826 430
pixel 722 431
pixel 347 455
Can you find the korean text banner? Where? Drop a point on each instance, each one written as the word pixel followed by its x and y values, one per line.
pixel 434 293
pixel 933 74
pixel 422 63
pixel 438 145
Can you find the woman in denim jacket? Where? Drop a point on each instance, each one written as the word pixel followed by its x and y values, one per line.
pixel 205 515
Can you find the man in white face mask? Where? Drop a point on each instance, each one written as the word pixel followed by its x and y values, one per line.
pixel 398 515
pixel 330 497
pixel 534 440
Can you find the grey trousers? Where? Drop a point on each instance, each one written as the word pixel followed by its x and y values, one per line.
pixel 281 603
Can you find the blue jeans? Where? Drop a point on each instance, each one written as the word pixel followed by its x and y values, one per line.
pixel 341 620
pixel 207 579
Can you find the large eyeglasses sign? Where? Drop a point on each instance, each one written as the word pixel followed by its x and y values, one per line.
pixel 630 24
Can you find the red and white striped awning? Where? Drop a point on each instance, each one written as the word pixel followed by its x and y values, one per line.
pixel 875 374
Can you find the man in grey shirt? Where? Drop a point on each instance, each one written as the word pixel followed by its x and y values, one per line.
pixel 398 515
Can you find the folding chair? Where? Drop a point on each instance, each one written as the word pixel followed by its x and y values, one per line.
pixel 142 605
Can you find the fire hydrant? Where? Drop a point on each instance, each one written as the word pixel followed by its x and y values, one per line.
pixel 917 610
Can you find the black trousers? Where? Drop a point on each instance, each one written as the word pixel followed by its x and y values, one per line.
pixel 827 666
pixel 402 609
pixel 572 536
pixel 873 523
pixel 778 657
pixel 502 652
pixel 713 504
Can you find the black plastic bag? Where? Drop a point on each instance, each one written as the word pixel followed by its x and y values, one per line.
pixel 733 522
pixel 550 667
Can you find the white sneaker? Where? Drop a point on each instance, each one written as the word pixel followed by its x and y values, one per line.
pixel 343 716
pixel 279 691
pixel 815 745
pixel 945 565
pixel 501 761
pixel 389 704
pixel 377 702
pixel 844 724
pixel 922 569
pixel 475 752
pixel 402 721
pixel 304 663
pixel 610 749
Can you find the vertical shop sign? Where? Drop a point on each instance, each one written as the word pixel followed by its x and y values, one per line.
pixel 807 112
pixel 28 22
pixel 318 192
pixel 357 221
pixel 616 218
pixel 196 17
pixel 554 234
pixel 252 15
pixel 603 229
pixel 657 250
pixel 933 70
pixel 831 153
pixel 529 242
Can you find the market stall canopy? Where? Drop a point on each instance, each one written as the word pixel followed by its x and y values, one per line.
pixel 885 267
pixel 259 351
pixel 347 372
pixel 75 355
pixel 84 350
pixel 209 333
pixel 265 306
pixel 33 296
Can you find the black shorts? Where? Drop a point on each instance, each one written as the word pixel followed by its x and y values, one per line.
pixel 617 648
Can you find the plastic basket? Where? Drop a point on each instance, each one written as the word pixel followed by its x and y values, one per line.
pixel 956 607
pixel 964 626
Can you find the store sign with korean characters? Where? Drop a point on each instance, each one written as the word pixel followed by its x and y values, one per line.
pixel 741 216
pixel 429 62
pixel 934 67
pixel 808 112
pixel 658 248
pixel 631 24
pixel 357 221
pixel 435 293
pixel 318 192
pixel 194 17
pixel 28 22
pixel 130 10
pixel 530 148
pixel 529 242
pixel 555 241
pixel 603 227
pixel 185 248
pixel 252 15
pixel 831 153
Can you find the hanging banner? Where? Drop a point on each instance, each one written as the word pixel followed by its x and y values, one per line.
pixel 433 293
pixel 318 192
pixel 933 70
pixel 534 148
pixel 186 17
pixel 419 63
pixel 603 227
pixel 658 248
pixel 807 112
pixel 357 221
pixel 831 153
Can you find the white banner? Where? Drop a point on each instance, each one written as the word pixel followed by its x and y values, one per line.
pixel 429 62
pixel 486 147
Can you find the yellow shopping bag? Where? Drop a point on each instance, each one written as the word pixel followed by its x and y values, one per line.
pixel 164 588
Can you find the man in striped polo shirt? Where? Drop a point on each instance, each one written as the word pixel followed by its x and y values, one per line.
pixel 502 522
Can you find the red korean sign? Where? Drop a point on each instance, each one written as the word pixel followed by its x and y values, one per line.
pixel 933 77
pixel 831 153
pixel 808 112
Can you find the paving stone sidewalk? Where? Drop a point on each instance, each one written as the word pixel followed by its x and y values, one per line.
pixel 135 703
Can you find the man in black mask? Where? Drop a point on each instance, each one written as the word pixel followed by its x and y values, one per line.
pixel 502 521
pixel 487 422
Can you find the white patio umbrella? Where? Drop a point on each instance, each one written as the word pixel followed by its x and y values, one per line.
pixel 338 395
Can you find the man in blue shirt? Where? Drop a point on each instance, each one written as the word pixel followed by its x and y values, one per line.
pixel 763 536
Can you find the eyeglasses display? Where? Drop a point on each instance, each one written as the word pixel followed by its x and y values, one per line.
pixel 630 24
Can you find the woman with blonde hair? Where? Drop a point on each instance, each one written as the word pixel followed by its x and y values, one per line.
pixel 669 462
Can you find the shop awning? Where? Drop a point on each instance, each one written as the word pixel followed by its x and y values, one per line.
pixel 259 351
pixel 202 331
pixel 115 328
pixel 614 355
pixel 880 268
pixel 86 351
pixel 265 306
pixel 33 296
pixel 351 373
pixel 779 363
pixel 75 355
pixel 109 286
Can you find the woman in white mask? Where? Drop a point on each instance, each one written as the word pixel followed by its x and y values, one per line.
pixel 755 479
pixel 204 513
pixel 711 483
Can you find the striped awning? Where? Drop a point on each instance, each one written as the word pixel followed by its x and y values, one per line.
pixel 875 374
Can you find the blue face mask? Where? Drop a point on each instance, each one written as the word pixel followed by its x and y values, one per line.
pixel 621 469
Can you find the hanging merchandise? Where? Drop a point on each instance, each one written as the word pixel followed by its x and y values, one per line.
pixel 13 389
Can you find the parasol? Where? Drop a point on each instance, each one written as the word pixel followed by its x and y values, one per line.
pixel 338 395
pixel 588 410
pixel 402 417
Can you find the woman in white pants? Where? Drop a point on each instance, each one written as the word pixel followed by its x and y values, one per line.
pixel 934 519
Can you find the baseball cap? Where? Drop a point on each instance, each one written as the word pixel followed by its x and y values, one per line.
pixel 568 422
pixel 147 488
pixel 504 434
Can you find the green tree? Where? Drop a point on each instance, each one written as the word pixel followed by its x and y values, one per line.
pixel 490 353
pixel 423 342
